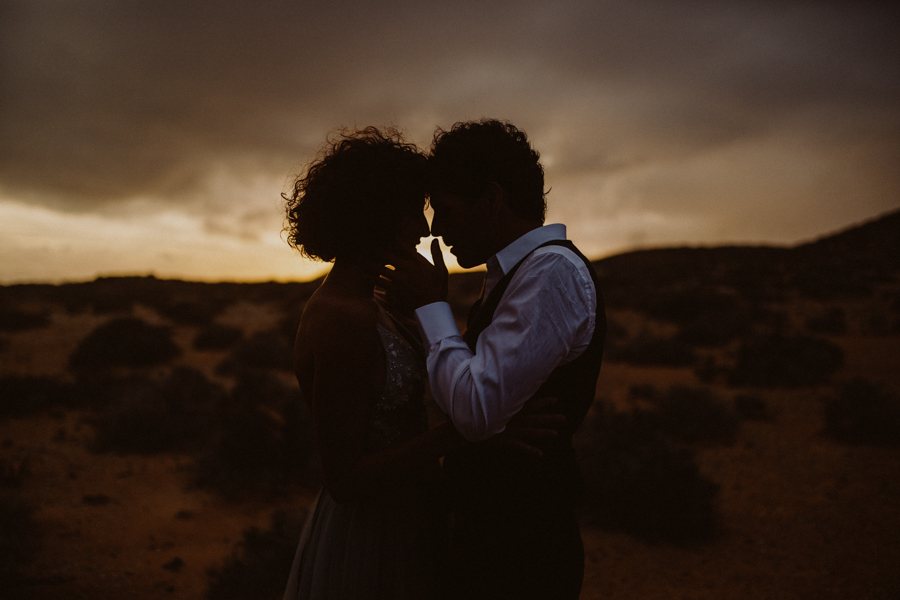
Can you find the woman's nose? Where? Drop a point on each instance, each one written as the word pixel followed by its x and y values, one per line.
pixel 423 230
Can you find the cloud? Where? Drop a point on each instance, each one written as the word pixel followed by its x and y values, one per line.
pixel 206 108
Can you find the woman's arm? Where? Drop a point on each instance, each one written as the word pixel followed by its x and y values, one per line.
pixel 347 379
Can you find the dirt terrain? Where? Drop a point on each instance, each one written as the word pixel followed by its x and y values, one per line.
pixel 798 499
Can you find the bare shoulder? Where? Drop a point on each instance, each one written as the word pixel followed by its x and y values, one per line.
pixel 331 317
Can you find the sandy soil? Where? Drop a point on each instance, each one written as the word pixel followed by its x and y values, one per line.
pixel 801 516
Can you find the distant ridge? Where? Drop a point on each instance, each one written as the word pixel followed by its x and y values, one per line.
pixel 850 262
pixel 877 237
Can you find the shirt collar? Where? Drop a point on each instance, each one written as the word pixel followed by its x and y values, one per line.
pixel 501 263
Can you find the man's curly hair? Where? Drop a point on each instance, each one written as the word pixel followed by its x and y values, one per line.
pixel 353 196
pixel 472 154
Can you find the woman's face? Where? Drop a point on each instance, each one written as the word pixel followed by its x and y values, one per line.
pixel 413 227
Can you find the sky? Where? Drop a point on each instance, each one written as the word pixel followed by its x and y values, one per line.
pixel 156 136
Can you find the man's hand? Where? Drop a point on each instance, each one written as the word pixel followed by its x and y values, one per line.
pixel 413 281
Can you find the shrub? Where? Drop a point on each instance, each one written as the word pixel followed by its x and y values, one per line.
pixel 639 483
pixel 689 304
pixel 125 342
pixel 260 564
pixel 217 337
pixel 751 407
pixel 879 324
pixel 265 445
pixel 715 328
pixel 615 330
pixel 692 415
pixel 189 313
pixel 14 320
pixel 19 541
pixel 289 324
pixel 13 472
pixel 27 395
pixel 781 361
pixel 264 350
pixel 147 416
pixel 652 351
pixel 833 322
pixel 863 414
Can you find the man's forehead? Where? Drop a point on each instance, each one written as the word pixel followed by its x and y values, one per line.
pixel 445 199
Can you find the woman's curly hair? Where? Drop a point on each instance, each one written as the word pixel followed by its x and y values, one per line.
pixel 353 196
pixel 473 154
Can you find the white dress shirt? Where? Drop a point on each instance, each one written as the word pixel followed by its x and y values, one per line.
pixel 545 319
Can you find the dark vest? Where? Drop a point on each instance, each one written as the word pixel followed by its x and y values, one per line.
pixel 481 472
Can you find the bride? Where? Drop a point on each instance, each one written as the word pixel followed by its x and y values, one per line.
pixel 376 529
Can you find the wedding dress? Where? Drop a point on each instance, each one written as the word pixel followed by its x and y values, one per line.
pixel 384 545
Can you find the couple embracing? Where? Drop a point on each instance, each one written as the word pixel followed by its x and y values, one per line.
pixel 495 519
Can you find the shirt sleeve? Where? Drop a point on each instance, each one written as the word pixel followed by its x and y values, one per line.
pixel 545 319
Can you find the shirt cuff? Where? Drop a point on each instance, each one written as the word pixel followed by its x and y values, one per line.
pixel 436 322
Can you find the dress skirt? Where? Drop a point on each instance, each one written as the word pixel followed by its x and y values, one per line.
pixel 384 547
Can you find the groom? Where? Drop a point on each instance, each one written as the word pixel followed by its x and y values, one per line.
pixel 537 331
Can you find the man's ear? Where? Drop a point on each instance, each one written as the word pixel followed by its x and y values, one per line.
pixel 495 196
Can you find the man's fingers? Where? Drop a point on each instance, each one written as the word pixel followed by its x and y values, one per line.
pixel 437 256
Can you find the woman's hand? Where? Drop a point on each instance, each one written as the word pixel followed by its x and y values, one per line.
pixel 532 430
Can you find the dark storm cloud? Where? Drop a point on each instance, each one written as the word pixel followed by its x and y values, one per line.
pixel 107 101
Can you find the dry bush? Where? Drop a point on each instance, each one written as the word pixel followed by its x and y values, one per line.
pixel 692 415
pixel 783 361
pixel 28 395
pixel 640 483
pixel 260 564
pixel 289 324
pixel 148 416
pixel 256 442
pixel 263 350
pixel 751 407
pixel 12 320
pixel 124 342
pixel 615 331
pixel 190 312
pixel 14 472
pixel 217 337
pixel 863 414
pixel 715 328
pixel 19 541
pixel 265 445
pixel 832 322
pixel 651 351
pixel 19 533
pixel 879 324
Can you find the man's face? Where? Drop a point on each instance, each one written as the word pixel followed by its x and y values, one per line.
pixel 463 223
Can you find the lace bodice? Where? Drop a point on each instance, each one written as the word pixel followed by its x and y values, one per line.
pixel 399 413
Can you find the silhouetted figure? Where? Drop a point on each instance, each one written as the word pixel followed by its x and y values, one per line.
pixel 537 331
pixel 376 529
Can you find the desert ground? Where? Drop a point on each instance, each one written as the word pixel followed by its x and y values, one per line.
pixel 744 442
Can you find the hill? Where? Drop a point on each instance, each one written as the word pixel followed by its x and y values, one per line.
pixel 744 441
